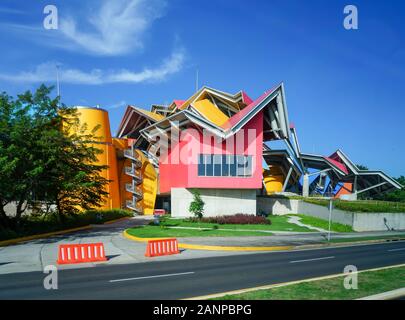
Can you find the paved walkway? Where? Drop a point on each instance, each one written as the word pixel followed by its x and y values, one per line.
pixel 296 220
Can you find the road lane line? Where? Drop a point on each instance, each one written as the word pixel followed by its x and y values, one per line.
pixel 315 259
pixel 156 276
pixel 398 249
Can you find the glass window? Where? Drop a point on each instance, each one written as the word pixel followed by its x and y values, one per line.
pixel 217 165
pixel 209 165
pixel 225 165
pixel 232 166
pixel 241 164
pixel 201 165
pixel 248 168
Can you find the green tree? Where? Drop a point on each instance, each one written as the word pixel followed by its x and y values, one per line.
pixel 17 169
pixel 397 195
pixel 46 156
pixel 361 167
pixel 197 205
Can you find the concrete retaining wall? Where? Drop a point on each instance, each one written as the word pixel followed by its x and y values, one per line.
pixel 359 221
pixel 217 201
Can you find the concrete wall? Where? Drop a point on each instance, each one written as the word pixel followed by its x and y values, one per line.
pixel 359 221
pixel 217 201
pixel 378 221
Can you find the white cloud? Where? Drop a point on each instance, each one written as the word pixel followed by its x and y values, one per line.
pixel 115 28
pixel 117 105
pixel 46 72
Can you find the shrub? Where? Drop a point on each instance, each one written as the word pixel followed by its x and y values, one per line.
pixel 197 205
pixel 234 219
pixel 37 224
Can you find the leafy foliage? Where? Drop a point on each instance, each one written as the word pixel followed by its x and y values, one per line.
pixel 197 205
pixel 31 225
pixel 361 205
pixel 46 156
pixel 397 195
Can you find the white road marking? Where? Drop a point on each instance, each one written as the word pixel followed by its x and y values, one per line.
pixel 157 276
pixel 398 249
pixel 315 259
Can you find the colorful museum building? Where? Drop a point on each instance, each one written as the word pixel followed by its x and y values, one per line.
pixel 221 145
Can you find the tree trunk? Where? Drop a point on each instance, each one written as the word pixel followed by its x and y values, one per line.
pixel 4 219
pixel 20 209
pixel 60 211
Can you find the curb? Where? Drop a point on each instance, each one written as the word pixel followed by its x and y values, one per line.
pixel 284 284
pixel 389 295
pixel 55 233
pixel 208 247
pixel 271 248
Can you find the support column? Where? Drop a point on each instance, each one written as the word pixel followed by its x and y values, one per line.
pixel 305 185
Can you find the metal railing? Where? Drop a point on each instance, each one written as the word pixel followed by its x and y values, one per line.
pixel 136 207
pixel 133 173
pixel 133 155
pixel 135 190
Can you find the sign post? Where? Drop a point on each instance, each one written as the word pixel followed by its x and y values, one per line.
pixel 330 216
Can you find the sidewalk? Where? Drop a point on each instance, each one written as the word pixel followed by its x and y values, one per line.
pixel 289 239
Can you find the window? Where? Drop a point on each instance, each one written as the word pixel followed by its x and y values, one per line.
pixel 217 165
pixel 209 165
pixel 201 165
pixel 232 166
pixel 224 165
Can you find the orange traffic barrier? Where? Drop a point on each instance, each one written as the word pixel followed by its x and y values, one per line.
pixel 161 247
pixel 81 253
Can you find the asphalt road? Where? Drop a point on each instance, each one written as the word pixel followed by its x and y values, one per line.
pixel 195 277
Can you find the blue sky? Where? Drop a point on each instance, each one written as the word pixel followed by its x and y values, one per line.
pixel 345 88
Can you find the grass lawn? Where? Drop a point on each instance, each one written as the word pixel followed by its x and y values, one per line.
pixel 163 232
pixel 369 283
pixel 361 205
pixel 324 224
pixel 278 223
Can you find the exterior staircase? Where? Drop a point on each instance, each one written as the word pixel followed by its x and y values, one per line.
pixel 135 187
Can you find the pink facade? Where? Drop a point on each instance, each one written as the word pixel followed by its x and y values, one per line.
pixel 180 169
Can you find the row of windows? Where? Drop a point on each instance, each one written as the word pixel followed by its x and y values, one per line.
pixel 222 165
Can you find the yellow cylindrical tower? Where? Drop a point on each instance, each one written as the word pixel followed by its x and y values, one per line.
pixel 93 117
pixel 273 179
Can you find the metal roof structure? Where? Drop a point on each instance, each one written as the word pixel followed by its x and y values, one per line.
pixel 276 125
pixel 224 114
pixel 340 168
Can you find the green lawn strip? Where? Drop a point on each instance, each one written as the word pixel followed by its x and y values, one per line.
pixel 162 232
pixel 278 223
pixel 324 224
pixel 34 225
pixel 361 205
pixel 369 283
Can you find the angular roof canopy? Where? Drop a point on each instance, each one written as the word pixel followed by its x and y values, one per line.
pixel 370 181
pixel 135 119
pixel 206 111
